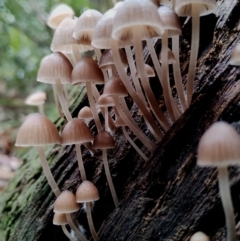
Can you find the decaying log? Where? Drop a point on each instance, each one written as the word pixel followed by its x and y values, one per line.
pixel 167 198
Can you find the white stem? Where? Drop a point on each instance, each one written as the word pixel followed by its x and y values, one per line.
pixel 66 95
pixel 152 126
pixel 144 79
pixel 56 100
pixel 194 52
pixel 106 118
pixel 173 4
pixel 80 162
pixel 133 144
pixel 41 109
pixel 47 171
pixel 75 54
pixel 93 106
pixel 90 221
pixel 62 100
pixel 109 178
pixel 64 229
pixel 227 202
pixel 177 72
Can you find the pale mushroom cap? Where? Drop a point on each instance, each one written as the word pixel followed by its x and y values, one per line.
pixel 219 146
pixel 137 14
pixel 235 58
pixel 37 98
pixel 149 71
pixel 87 192
pixel 184 9
pixel 85 26
pixel 199 236
pixel 85 113
pixel 66 203
pixel 55 67
pixel 115 86
pixel 37 130
pixel 59 12
pixel 87 70
pixel 106 61
pixel 59 219
pixel 118 5
pixel 103 140
pixel 170 21
pixel 171 57
pixel 76 132
pixel 105 101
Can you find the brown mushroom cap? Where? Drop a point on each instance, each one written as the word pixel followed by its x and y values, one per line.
pixel 149 71
pixel 170 55
pixel 103 140
pixel 105 101
pixel 55 67
pixel 87 70
pixel 235 58
pixel 37 130
pixel 35 99
pixel 66 203
pixel 85 113
pixel 219 146
pixel 87 192
pixel 76 132
pixel 115 86
pixel 60 219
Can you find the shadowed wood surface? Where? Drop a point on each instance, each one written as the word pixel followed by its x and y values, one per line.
pixel 166 198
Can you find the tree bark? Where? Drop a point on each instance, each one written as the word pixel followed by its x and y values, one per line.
pixel 166 198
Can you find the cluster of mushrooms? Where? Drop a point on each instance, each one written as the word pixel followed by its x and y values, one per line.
pixel 116 38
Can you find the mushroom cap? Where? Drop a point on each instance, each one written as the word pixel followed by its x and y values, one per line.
pixel 66 203
pixel 85 25
pixel 219 146
pixel 76 132
pixel 55 67
pixel 183 7
pixel 37 130
pixel 105 101
pixel 106 61
pixel 85 113
pixel 135 14
pixel 171 57
pixel 149 71
pixel 60 219
pixel 199 236
pixel 235 58
pixel 87 192
pixel 58 13
pixel 114 86
pixel 170 21
pixel 118 5
pixel 103 140
pixel 37 98
pixel 87 70
pixel 165 2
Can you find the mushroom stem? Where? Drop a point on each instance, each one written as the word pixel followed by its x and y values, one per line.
pixel 93 106
pixel 227 202
pixel 106 118
pixel 64 229
pixel 173 4
pixel 66 95
pixel 62 100
pixel 90 221
pixel 194 52
pixel 47 171
pixel 56 100
pixel 109 178
pixel 177 72
pixel 41 109
pixel 152 126
pixel 74 228
pixel 80 162
pixel 133 144
pixel 144 79
pixel 98 55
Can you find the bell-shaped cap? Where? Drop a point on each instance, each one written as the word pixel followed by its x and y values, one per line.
pixel 87 70
pixel 149 71
pixel 60 219
pixel 85 113
pixel 170 55
pixel 235 58
pixel 170 20
pixel 87 192
pixel 55 67
pixel 219 146
pixel 59 12
pixel 37 130
pixel 134 14
pixel 105 101
pixel 35 99
pixel 103 140
pixel 76 132
pixel 85 25
pixel 66 203
pixel 115 86
pixel 106 61
pixel 184 7
pixel 199 236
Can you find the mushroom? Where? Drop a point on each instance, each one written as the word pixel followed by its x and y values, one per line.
pixel 199 236
pixel 37 99
pixel 235 58
pixel 219 147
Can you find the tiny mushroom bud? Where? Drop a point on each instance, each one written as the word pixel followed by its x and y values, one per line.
pixel 199 236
